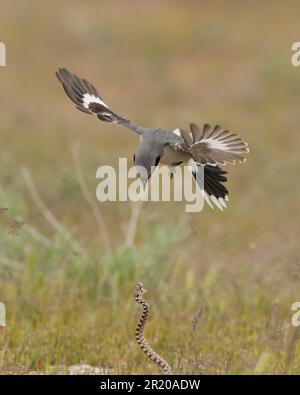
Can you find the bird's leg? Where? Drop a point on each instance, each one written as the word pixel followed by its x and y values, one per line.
pixel 172 171
pixel 172 168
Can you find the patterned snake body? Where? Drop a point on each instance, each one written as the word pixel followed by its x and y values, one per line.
pixel 165 368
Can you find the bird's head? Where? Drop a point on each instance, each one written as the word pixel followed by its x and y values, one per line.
pixel 146 161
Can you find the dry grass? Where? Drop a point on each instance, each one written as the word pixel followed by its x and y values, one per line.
pixel 161 64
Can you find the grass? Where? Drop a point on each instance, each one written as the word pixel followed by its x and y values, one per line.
pixel 221 285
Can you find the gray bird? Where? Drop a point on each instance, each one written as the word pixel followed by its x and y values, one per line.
pixel 209 147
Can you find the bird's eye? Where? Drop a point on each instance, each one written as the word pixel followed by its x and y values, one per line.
pixel 157 160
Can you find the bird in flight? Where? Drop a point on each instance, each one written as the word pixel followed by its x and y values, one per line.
pixel 207 148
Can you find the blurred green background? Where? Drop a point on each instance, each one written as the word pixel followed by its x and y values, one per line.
pixel 221 285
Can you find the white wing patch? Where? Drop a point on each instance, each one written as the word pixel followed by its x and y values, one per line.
pixel 177 132
pixel 88 99
pixel 214 143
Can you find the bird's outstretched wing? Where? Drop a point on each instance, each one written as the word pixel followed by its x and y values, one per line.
pixel 213 145
pixel 88 100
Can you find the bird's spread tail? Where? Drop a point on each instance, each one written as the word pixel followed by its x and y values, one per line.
pixel 86 97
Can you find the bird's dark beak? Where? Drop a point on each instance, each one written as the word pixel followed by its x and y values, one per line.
pixel 144 182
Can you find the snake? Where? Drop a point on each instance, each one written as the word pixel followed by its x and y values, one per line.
pixel 165 368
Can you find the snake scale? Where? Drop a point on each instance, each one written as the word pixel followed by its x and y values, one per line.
pixel 165 368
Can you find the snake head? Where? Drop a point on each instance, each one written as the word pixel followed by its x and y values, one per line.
pixel 140 289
